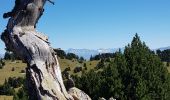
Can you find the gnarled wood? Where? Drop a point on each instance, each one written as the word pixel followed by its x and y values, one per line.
pixel 43 71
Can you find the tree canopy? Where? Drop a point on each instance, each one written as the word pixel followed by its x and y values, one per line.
pixel 135 74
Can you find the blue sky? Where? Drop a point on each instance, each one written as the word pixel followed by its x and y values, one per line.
pixel 94 24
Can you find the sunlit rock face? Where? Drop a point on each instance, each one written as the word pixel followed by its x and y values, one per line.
pixel 77 94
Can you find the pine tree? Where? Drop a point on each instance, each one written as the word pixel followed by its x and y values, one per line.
pixel 135 74
pixel 167 64
pixel 146 75
pixel 91 58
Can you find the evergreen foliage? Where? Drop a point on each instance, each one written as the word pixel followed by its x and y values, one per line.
pixel 60 53
pixel 164 55
pixel 22 94
pixel 71 56
pixel 136 74
pixel 10 56
pixel 102 56
pixel 8 88
pixel 2 63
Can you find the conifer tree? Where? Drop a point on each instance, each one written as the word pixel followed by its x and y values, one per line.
pixel 135 74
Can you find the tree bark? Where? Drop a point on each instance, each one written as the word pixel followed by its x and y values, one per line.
pixel 20 36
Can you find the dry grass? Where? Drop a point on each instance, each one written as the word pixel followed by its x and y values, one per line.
pixel 64 63
pixel 91 64
pixel 3 97
pixel 7 72
pixel 168 69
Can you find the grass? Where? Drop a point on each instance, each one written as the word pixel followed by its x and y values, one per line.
pixel 3 97
pixel 7 72
pixel 64 63
pixel 91 64
pixel 169 69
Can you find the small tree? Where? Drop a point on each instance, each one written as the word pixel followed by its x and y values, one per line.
pixel 167 64
pixel 101 64
pixel 6 89
pixel 13 69
pixel 81 60
pixel 77 69
pixel 91 58
pixel 2 63
pixel 84 65
pixel 23 71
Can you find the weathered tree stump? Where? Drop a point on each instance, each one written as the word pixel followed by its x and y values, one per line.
pixel 43 72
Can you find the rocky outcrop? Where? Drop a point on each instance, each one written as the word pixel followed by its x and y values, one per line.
pixel 43 73
pixel 78 94
pixel 101 98
pixel 105 99
pixel 112 98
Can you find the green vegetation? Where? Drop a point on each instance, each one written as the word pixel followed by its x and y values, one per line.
pixel 69 56
pixel 10 56
pixel 7 72
pixel 13 70
pixel 2 63
pixel 60 53
pixel 136 74
pixel 164 55
pixel 11 79
pixel 7 89
pixel 63 55
pixel 22 94
pixel 73 64
pixel 102 56
pixel 14 87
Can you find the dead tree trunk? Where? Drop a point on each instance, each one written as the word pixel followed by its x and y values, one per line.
pixel 43 72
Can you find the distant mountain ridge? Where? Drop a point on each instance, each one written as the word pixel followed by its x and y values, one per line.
pixel 87 53
pixel 163 48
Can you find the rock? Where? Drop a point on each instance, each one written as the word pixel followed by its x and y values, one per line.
pixel 78 94
pixel 112 98
pixel 101 98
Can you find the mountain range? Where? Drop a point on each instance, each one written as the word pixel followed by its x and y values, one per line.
pixel 163 48
pixel 87 53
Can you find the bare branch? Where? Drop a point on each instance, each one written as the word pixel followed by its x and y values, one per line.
pixel 52 2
